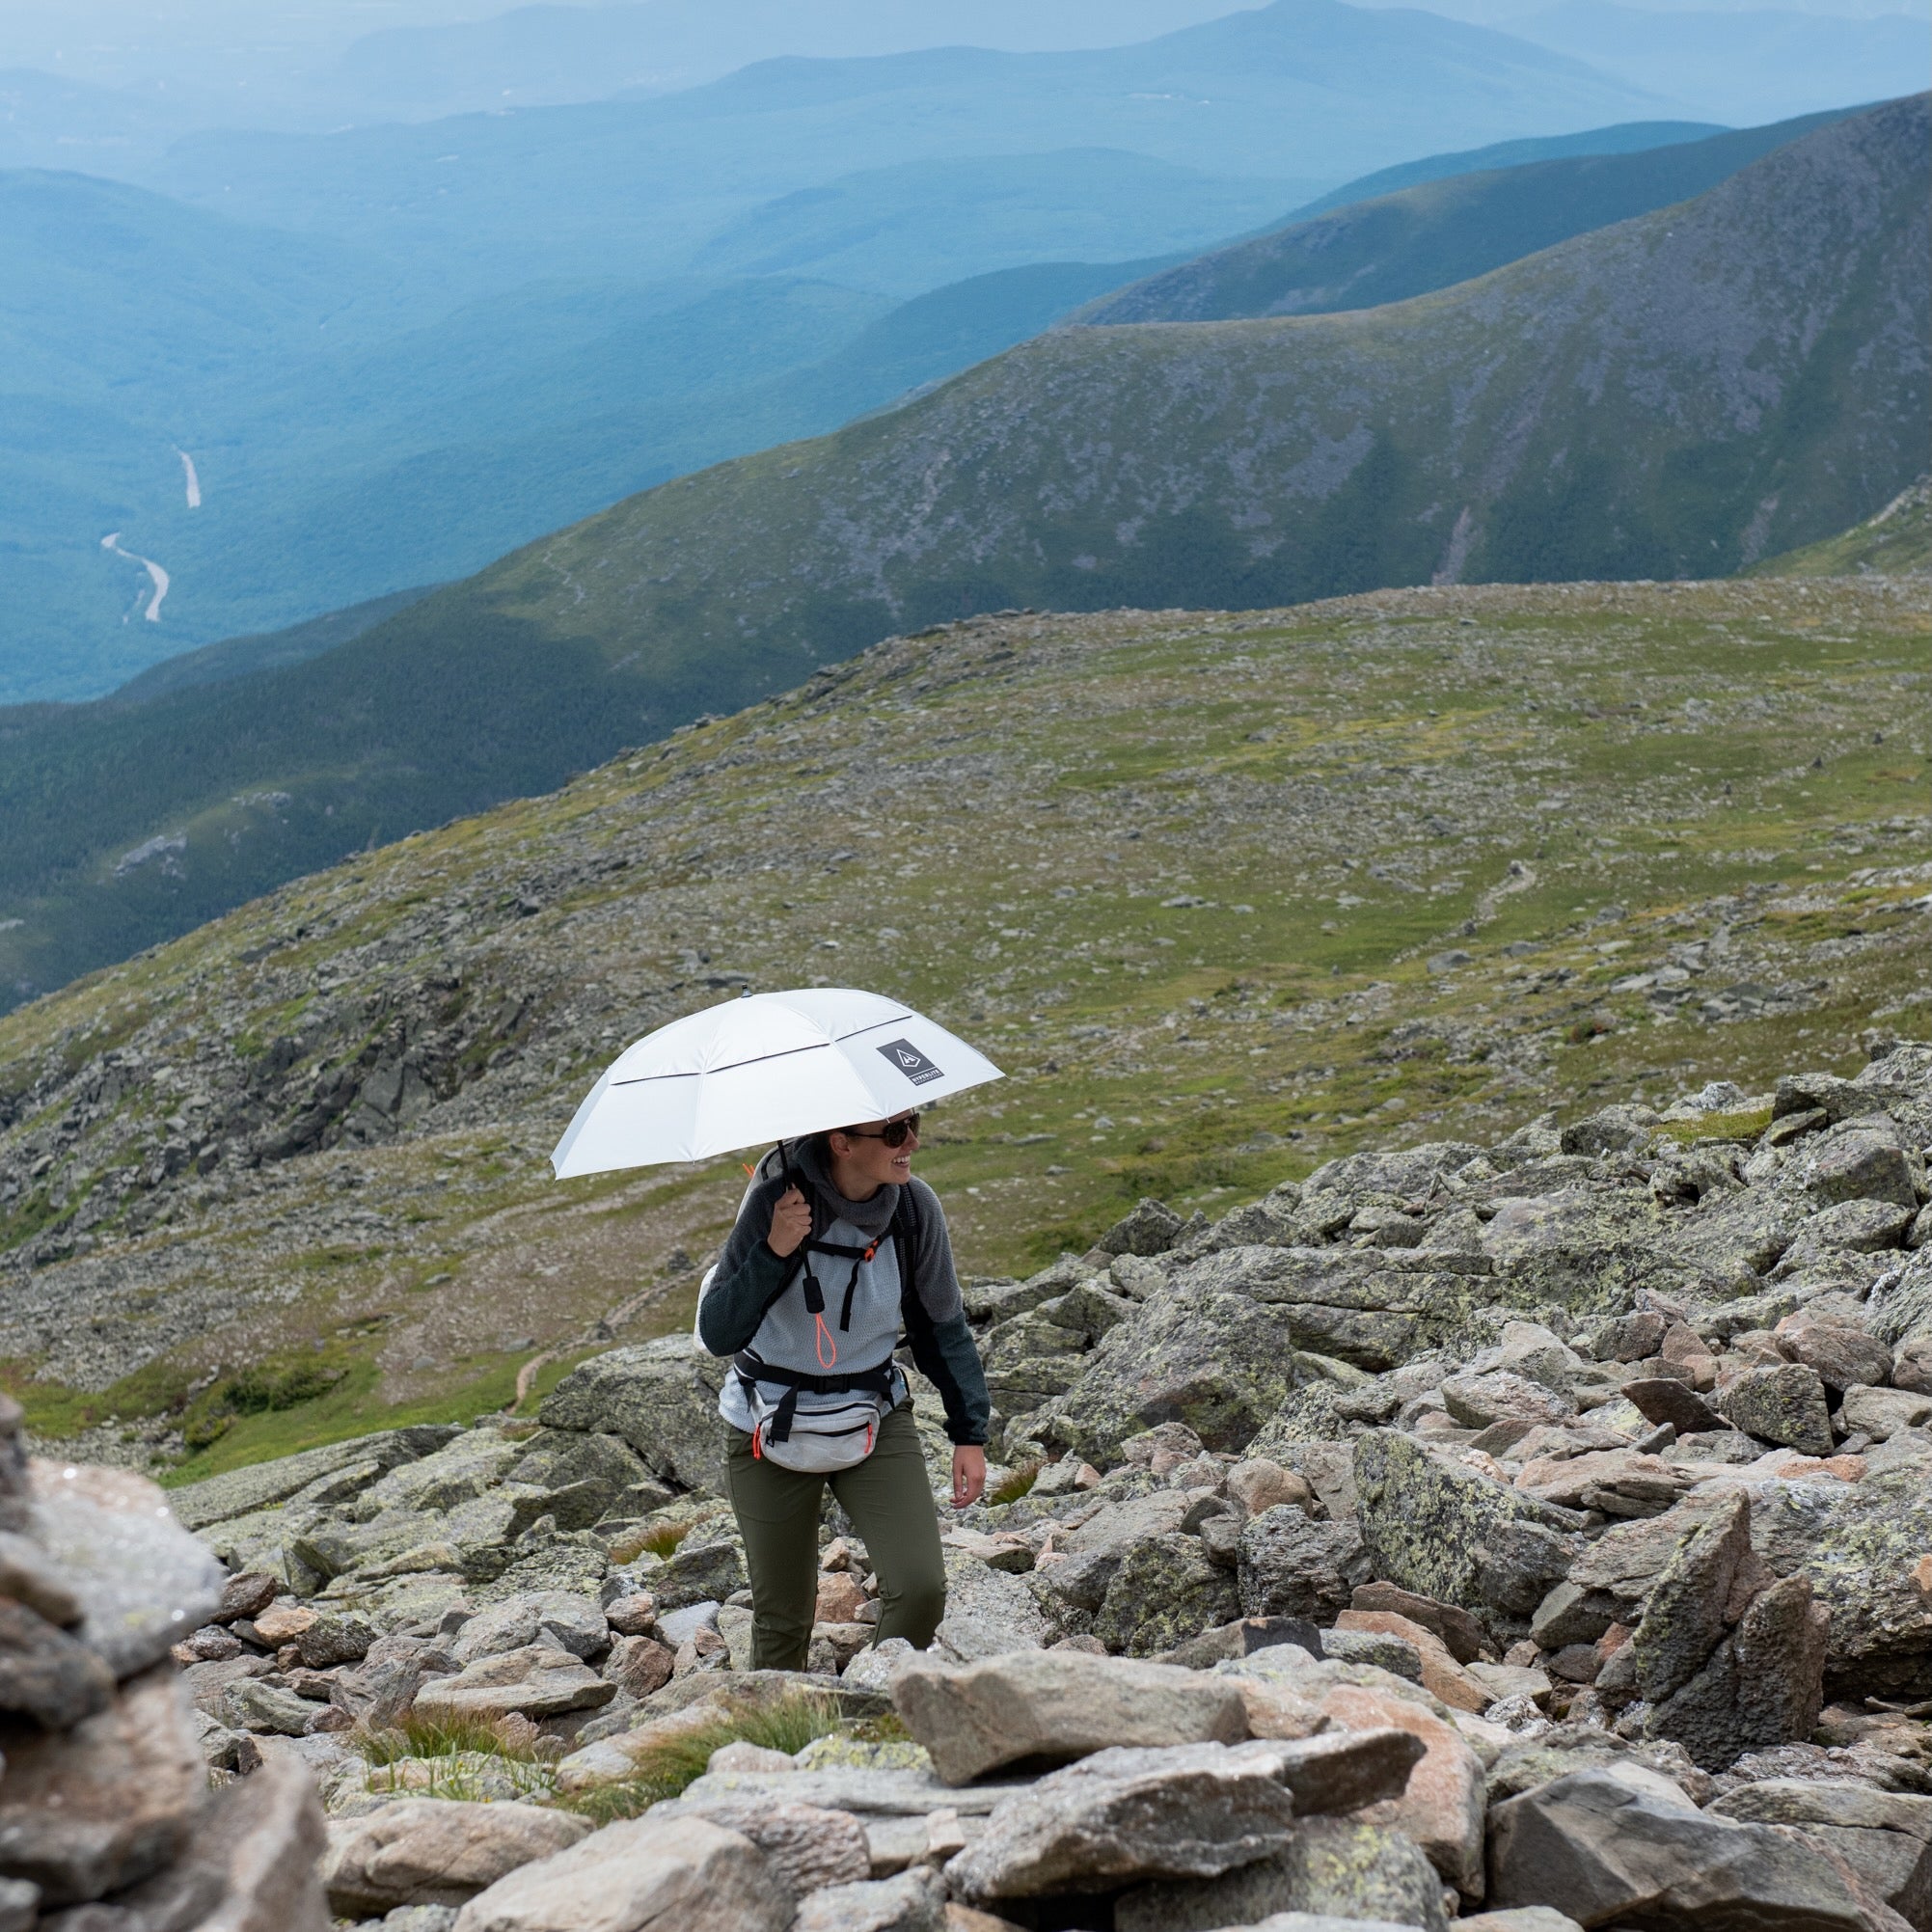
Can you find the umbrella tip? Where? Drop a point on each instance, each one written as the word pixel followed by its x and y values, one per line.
pixel 745 993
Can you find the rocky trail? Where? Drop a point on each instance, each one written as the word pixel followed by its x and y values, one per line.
pixel 1524 1535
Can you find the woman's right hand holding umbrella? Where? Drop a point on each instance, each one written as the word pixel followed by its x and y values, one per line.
pixel 791 1222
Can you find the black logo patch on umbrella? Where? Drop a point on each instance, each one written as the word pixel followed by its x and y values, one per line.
pixel 910 1061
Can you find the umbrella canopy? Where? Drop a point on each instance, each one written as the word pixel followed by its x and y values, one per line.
pixel 768 1067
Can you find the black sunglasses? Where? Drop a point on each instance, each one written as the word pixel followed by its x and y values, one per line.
pixel 895 1132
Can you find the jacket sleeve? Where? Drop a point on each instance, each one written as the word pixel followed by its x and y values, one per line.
pixel 941 1343
pixel 750 1276
pixel 945 1354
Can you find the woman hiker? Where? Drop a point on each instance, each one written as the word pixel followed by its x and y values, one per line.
pixel 836 1250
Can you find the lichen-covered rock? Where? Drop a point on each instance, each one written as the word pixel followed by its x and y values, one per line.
pixel 1335 1869
pixel 1863 1159
pixel 560 1619
pixel 1151 1228
pixel 1217 1362
pixel 661 1398
pixel 1865 1547
pixel 1189 1810
pixel 1784 1405
pixel 706 1568
pixel 1690 1605
pixel 1581 1249
pixel 988 1612
pixel 1292 1567
pixel 1165 1589
pixel 1501 1396
pixel 1442 1530
pixel 264 1485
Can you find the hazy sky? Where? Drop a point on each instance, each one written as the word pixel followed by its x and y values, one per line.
pixel 32 32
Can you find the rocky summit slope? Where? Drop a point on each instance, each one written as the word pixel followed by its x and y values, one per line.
pixel 1226 896
pixel 1531 1535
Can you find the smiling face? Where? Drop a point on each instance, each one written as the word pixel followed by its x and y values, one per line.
pixel 862 1162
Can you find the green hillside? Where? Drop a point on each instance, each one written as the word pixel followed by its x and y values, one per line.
pixel 1896 542
pixel 1225 895
pixel 1431 235
pixel 1628 431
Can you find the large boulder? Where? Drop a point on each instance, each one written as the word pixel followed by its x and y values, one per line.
pixel 1335 1872
pixel 1188 1812
pixel 988 1612
pixel 643 1873
pixel 108 1802
pixel 1165 1589
pixel 1448 1532
pixel 266 1485
pixel 661 1398
pixel 1861 1159
pixel 1412 1173
pixel 808 1846
pixel 1583 1249
pixel 1626 1846
pixel 1214 1361
pixel 1054 1706
pixel 142 1581
pixel 429 1851
pixel 534 1681
pixel 1290 1566
pixel 1863 1546
pixel 1151 1228
pixel 1886 1837
pixel 1781 1406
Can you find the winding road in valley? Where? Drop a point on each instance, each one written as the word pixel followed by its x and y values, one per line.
pixel 159 576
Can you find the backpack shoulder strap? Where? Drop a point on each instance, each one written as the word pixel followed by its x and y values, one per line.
pixel 905 1244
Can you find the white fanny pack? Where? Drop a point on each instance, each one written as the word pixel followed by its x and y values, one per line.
pixel 815 1441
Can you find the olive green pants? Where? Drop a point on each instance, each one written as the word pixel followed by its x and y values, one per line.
pixel 889 1499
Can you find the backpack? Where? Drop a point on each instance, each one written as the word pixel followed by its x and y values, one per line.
pixel 822 1440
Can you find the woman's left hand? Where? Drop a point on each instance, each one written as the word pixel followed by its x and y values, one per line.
pixel 968 1474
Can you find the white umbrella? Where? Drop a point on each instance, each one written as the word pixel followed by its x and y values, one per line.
pixel 770 1065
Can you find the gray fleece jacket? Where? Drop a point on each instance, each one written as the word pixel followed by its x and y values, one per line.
pixel 755 1306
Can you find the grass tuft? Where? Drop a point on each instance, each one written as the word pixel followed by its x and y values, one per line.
pixel 676 1762
pixel 660 1540
pixel 417 1734
pixel 1741 1127
pixel 1016 1483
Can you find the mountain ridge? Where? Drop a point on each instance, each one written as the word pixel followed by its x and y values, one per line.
pixel 1465 225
